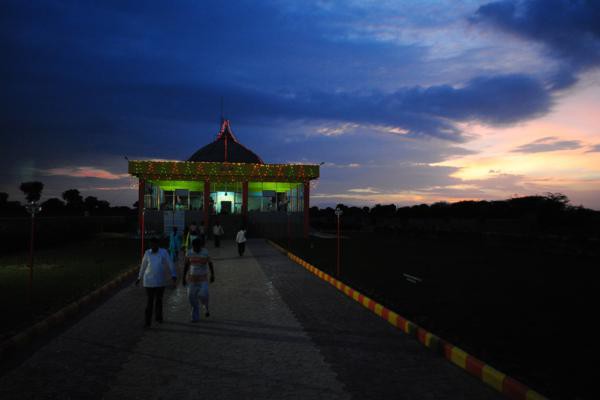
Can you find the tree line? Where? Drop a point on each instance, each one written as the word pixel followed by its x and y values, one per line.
pixel 71 203
pixel 549 212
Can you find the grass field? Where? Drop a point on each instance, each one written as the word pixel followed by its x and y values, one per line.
pixel 61 274
pixel 519 305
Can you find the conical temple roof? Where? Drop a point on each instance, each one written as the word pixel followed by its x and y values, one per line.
pixel 226 148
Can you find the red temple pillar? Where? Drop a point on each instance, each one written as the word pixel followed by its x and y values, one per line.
pixel 141 206
pixel 245 203
pixel 206 199
pixel 306 208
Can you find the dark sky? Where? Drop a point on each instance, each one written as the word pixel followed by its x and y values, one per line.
pixel 404 101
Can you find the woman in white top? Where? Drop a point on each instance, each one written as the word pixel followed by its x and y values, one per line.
pixel 155 264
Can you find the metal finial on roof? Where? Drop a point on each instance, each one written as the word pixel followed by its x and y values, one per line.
pixel 222 113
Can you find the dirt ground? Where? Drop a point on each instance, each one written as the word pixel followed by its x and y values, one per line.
pixel 61 274
pixel 522 305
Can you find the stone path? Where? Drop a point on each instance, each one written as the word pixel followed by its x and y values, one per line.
pixel 275 331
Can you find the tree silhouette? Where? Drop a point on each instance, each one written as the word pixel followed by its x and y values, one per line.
pixel 74 201
pixel 72 197
pixel 53 207
pixel 10 208
pixel 96 207
pixel 91 204
pixel 32 190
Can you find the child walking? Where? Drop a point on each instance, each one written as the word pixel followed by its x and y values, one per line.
pixel 197 263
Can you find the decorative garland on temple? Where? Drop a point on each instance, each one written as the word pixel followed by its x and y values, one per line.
pixel 169 170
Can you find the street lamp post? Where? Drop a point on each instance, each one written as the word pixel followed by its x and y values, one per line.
pixel 289 235
pixel 33 208
pixel 143 230
pixel 338 213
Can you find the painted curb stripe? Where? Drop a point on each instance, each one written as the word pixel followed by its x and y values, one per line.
pixel 504 384
pixel 492 377
pixel 458 357
pixel 392 318
pixel 474 367
pixel 385 314
pixel 514 389
pixel 533 395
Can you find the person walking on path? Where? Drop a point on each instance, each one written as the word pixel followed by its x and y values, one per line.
pixel 217 233
pixel 174 245
pixel 189 238
pixel 197 262
pixel 155 263
pixel 240 239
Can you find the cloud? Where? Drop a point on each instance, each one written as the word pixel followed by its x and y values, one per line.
pixel 594 149
pixel 145 86
pixel 111 188
pixel 364 190
pixel 568 29
pixel 416 111
pixel 546 144
pixel 500 99
pixel 83 172
pixel 362 199
pixel 337 130
pixel 337 165
pixel 430 111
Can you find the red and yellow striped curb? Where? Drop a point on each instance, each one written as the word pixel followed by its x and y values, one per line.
pixel 510 387
pixel 24 339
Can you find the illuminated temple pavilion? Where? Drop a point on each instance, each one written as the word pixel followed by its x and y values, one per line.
pixel 223 180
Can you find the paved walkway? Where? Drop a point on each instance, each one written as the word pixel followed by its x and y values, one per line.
pixel 275 331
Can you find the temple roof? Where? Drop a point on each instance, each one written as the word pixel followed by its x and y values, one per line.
pixel 226 148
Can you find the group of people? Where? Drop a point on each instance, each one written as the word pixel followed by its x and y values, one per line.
pixel 195 231
pixel 157 263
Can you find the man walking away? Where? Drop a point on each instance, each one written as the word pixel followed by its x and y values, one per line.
pixel 217 233
pixel 240 238
pixel 196 262
pixel 152 271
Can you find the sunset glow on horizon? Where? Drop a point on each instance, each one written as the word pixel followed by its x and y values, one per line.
pixel 555 153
